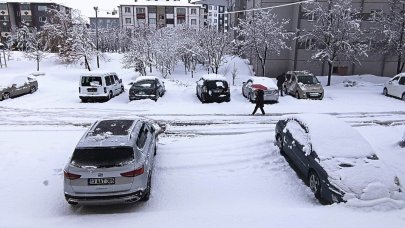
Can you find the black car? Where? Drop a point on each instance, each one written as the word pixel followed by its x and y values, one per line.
pixel 213 88
pixel 336 162
pixel 147 87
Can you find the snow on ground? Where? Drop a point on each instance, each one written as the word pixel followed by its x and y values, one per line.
pixel 216 166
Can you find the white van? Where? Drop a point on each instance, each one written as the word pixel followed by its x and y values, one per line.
pixel 99 86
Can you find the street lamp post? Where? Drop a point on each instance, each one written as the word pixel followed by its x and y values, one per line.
pixel 96 10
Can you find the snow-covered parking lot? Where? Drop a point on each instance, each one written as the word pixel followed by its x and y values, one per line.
pixel 216 166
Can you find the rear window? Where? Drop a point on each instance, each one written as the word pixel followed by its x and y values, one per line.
pixel 87 80
pixel 308 79
pixel 145 84
pixel 216 84
pixel 103 157
pixel 112 127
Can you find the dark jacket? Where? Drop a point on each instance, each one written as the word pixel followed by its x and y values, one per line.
pixel 280 80
pixel 259 97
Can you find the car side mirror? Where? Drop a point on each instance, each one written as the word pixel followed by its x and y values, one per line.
pixel 131 83
pixel 390 82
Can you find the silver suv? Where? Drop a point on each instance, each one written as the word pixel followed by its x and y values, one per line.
pixel 112 163
pixel 303 84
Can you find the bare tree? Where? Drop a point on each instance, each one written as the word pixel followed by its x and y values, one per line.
pixel 336 33
pixel 35 48
pixel 263 34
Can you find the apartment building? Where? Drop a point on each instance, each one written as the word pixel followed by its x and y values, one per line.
pixel 15 14
pixel 215 14
pixel 299 56
pixel 106 20
pixel 159 13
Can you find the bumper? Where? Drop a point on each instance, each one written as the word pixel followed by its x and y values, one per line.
pixel 93 97
pixel 313 95
pixel 104 200
pixel 141 96
pixel 271 98
pixel 217 98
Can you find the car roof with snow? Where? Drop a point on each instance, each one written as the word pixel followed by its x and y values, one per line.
pixel 141 78
pixel 110 133
pixel 330 137
pixel 268 82
pixel 302 72
pixel 8 80
pixel 97 73
pixel 218 77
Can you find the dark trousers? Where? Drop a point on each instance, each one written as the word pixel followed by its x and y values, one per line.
pixel 280 89
pixel 261 109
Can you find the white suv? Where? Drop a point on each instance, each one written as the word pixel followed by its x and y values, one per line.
pixel 99 86
pixel 395 87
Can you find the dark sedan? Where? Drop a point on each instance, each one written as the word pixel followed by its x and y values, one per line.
pixel 337 163
pixel 147 87
pixel 213 88
pixel 18 86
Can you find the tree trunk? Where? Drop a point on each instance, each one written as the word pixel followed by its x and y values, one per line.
pixel 399 63
pixel 330 65
pixel 37 63
pixel 86 63
pixel 216 69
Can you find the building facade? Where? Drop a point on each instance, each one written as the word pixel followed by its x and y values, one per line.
pixel 105 22
pixel 299 56
pixel 15 14
pixel 159 14
pixel 215 14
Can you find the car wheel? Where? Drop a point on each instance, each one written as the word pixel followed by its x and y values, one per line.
pixel 279 142
pixel 157 96
pixel 297 95
pixel 250 97
pixel 6 96
pixel 403 96
pixel 147 191
pixel 110 95
pixel 84 100
pixel 315 184
pixel 33 89
pixel 122 89
pixel 155 151
pixel 385 92
pixel 285 91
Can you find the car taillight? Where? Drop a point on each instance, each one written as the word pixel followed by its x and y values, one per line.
pixel 71 176
pixel 105 89
pixel 134 173
pixel 205 89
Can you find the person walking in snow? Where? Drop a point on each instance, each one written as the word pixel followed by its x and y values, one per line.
pixel 280 82
pixel 259 101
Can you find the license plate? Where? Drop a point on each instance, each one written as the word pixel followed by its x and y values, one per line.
pixel 92 90
pixel 217 90
pixel 101 181
pixel 314 94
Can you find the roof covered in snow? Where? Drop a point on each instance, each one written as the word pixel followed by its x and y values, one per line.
pixel 141 78
pixel 214 77
pixel 268 82
pixel 156 3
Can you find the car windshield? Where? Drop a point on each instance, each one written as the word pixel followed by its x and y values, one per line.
pixel 86 81
pixel 113 127
pixel 103 157
pixel 216 84
pixel 307 79
pixel 145 84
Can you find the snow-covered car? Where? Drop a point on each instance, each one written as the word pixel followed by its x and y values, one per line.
pixel 335 160
pixel 213 88
pixel 99 86
pixel 147 87
pixel 395 87
pixel 17 86
pixel 270 95
pixel 112 163
pixel 303 84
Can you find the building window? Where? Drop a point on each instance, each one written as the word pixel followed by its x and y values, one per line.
pixel 193 21
pixel 127 9
pixel 169 10
pixel 215 21
pixel 215 15
pixel 374 14
pixel 210 14
pixel 210 7
pixel 42 8
pixel 140 13
pixel 152 9
pixel 215 7
pixel 3 18
pixel 128 21
pixel 311 16
pixel 193 11
pixel 42 19
pixel 25 7
pixel 170 21
pixel 152 21
pixel 3 6
pixel 181 11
